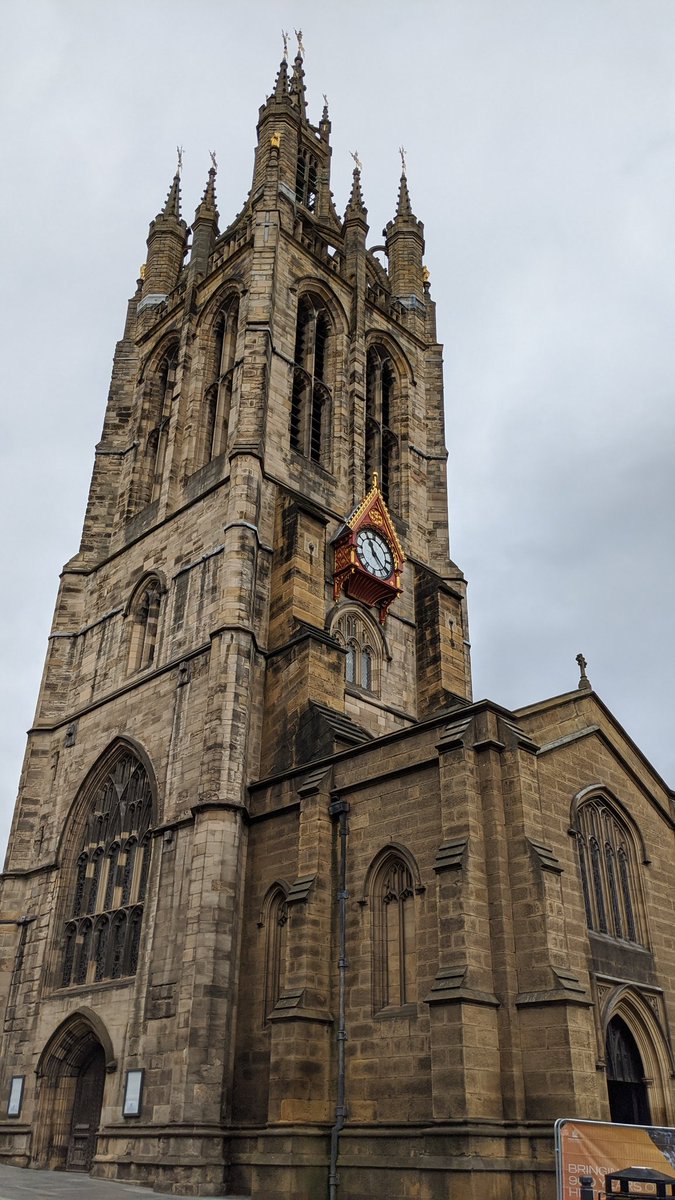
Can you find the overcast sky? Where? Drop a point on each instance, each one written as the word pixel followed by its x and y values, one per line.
pixel 540 141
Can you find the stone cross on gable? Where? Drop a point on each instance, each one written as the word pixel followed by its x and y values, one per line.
pixel 584 682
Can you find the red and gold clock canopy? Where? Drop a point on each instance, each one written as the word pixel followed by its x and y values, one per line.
pixel 351 572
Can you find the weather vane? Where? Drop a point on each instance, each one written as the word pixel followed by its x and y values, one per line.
pixel 401 151
pixel 301 48
pixel 212 155
pixel 179 152
pixel 325 100
pixel 357 161
pixel 284 34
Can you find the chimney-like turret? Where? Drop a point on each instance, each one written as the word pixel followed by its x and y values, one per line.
pixel 167 243
pixel 205 227
pixel 405 250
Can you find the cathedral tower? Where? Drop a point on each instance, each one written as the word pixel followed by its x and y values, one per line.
pixel 276 403
pixel 285 912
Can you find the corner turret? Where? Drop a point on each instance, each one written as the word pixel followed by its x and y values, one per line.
pixel 167 244
pixel 405 249
pixel 205 225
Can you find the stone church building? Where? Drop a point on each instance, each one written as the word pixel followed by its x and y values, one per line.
pixel 285 913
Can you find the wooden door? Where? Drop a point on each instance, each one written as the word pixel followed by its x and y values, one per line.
pixel 86 1112
pixel 628 1101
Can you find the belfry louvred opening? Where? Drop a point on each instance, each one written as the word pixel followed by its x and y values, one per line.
pixel 285 912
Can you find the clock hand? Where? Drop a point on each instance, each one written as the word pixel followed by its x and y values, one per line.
pixel 376 550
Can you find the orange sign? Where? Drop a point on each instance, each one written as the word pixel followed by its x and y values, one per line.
pixel 597 1149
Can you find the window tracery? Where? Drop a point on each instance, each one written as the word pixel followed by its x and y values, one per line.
pixel 145 620
pixel 311 400
pixel 219 390
pixel 306 179
pixel 362 644
pixel 159 433
pixel 276 918
pixel 382 440
pixel 608 868
pixel 394 950
pixel 112 867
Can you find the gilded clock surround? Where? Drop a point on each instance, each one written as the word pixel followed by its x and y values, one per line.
pixel 351 574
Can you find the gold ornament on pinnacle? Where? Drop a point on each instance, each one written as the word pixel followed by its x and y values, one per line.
pixel 275 140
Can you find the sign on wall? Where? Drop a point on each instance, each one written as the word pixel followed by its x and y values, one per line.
pixel 597 1149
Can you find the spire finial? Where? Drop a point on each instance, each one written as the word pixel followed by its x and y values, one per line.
pixel 205 224
pixel 285 36
pixel 172 203
pixel 209 197
pixel 281 81
pixel 403 207
pixel 324 115
pixel 297 84
pixel 584 684
pixel 355 205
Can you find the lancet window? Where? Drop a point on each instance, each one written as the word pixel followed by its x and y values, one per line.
pixel 394 955
pixel 275 920
pixel 144 614
pixel 311 400
pixel 609 872
pixel 306 179
pixel 163 389
pixel 103 928
pixel 362 645
pixel 219 391
pixel 382 440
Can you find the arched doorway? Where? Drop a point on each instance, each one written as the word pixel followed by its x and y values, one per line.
pixel 71 1082
pixel 86 1111
pixel 628 1102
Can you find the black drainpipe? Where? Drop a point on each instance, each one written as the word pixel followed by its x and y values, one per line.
pixel 339 809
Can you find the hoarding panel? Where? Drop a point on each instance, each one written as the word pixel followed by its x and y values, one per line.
pixel 598 1148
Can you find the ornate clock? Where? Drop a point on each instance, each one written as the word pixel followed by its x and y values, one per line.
pixel 368 555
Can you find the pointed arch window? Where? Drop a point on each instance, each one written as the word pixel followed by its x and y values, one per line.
pixel 219 390
pixel 275 918
pixel 610 878
pixel 311 399
pixel 394 934
pixel 162 399
pixel 362 643
pixel 382 421
pixel 306 179
pixel 111 871
pixel 145 620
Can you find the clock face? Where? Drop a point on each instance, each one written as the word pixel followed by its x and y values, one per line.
pixel 374 553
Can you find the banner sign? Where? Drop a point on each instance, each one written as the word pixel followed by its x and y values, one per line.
pixel 640 1159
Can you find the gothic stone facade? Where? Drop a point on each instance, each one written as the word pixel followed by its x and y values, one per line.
pixel 356 934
